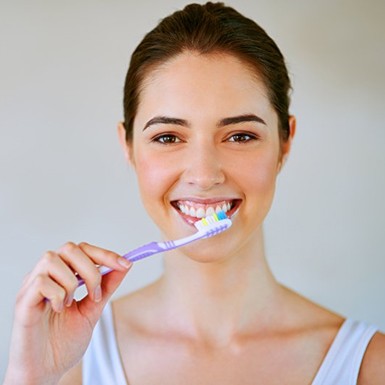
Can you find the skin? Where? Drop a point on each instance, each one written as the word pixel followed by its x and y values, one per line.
pixel 50 337
pixel 217 315
pixel 206 163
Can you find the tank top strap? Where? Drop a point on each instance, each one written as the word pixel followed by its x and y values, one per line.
pixel 343 360
pixel 102 363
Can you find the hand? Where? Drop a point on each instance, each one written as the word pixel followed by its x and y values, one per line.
pixel 51 331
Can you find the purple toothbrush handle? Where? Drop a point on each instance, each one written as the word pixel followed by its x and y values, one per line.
pixel 144 251
pixel 137 254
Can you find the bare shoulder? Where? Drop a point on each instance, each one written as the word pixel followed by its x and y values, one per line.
pixel 73 376
pixel 373 365
pixel 311 314
pixel 146 299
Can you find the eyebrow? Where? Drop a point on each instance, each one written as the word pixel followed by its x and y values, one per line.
pixel 241 119
pixel 166 120
pixel 222 123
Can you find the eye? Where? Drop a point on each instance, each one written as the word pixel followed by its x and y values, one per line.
pixel 242 137
pixel 166 139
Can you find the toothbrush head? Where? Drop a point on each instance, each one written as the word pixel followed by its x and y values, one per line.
pixel 213 224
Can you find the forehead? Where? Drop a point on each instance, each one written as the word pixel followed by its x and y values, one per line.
pixel 203 83
pixel 195 66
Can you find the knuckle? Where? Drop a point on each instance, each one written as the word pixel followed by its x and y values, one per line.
pixel 39 279
pixel 38 282
pixel 110 256
pixel 68 247
pixel 48 256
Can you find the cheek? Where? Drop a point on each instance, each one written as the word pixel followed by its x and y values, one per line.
pixel 258 172
pixel 154 178
pixel 265 174
pixel 257 179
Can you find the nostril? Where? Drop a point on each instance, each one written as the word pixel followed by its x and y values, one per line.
pixel 203 167
pixel 205 183
pixel 204 178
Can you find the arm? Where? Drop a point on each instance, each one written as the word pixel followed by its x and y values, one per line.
pixel 372 370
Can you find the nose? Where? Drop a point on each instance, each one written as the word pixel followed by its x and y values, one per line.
pixel 203 168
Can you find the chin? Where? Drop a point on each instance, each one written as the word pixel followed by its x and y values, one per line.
pixel 211 250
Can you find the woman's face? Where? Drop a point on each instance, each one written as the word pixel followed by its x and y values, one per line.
pixel 206 138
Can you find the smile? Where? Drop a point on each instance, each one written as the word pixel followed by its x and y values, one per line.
pixel 198 210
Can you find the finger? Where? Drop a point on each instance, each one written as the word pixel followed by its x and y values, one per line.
pixel 85 266
pixel 105 257
pixel 53 265
pixel 40 290
pixel 110 282
pixel 50 264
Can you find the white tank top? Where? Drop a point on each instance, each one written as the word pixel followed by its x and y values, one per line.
pixel 102 364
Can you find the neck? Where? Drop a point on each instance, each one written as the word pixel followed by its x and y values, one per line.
pixel 214 301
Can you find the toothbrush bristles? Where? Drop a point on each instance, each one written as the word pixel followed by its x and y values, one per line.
pixel 221 215
pixel 216 217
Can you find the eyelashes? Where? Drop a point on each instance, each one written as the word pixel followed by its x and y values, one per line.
pixel 166 139
pixel 237 137
pixel 242 137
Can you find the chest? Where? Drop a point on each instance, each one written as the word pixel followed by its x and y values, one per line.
pixel 267 362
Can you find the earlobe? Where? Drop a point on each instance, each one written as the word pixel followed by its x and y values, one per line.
pixel 126 147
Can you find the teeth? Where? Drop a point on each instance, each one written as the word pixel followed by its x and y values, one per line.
pixel 201 212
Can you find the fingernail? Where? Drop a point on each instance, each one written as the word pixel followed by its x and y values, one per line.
pixel 123 262
pixel 98 294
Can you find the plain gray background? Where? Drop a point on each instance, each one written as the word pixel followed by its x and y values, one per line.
pixel 63 177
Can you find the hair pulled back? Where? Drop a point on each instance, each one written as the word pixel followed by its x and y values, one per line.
pixel 205 29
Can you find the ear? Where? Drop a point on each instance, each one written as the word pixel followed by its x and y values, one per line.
pixel 126 146
pixel 286 145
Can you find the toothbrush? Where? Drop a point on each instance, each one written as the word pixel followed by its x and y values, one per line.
pixel 207 227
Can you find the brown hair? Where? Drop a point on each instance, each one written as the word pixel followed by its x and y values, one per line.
pixel 209 28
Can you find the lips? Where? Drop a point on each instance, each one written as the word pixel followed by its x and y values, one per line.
pixel 193 210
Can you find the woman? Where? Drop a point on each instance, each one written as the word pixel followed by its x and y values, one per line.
pixel 206 124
